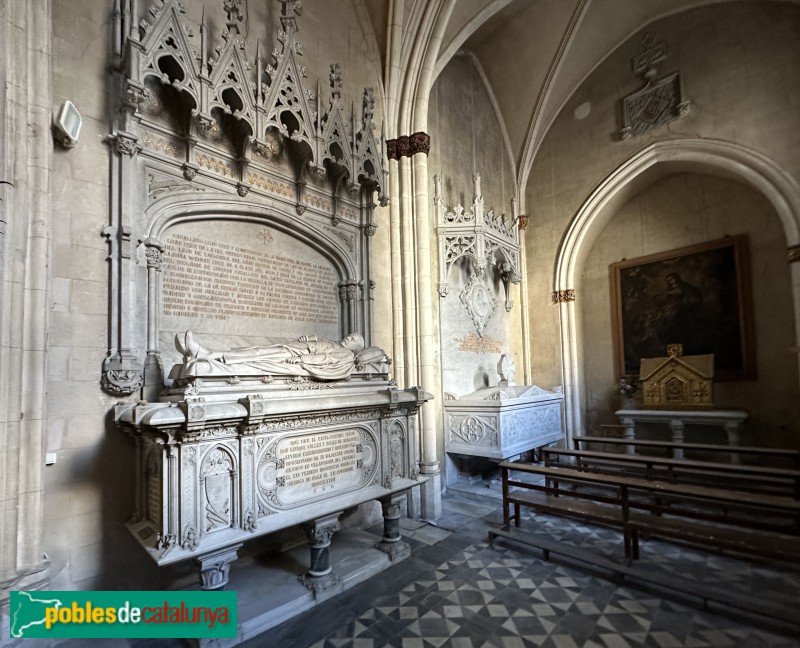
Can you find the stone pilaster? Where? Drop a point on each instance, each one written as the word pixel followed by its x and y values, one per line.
pixel 25 163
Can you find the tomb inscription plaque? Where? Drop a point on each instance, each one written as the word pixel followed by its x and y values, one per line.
pixel 304 467
pixel 216 280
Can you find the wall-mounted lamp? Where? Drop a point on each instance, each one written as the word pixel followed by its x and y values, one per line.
pixel 67 125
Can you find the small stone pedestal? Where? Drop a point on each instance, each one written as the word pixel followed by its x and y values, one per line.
pixel 391 543
pixel 320 575
pixel 215 567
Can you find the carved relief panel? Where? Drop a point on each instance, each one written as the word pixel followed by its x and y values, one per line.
pixel 210 135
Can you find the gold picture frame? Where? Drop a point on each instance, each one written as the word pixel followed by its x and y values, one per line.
pixel 699 296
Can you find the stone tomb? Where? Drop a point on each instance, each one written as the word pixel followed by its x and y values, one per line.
pixel 222 459
pixel 504 421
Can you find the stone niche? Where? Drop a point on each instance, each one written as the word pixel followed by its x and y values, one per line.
pixel 238 281
pixel 223 459
pixel 502 422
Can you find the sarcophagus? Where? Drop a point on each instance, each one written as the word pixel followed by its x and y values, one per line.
pixel 498 423
pixel 224 459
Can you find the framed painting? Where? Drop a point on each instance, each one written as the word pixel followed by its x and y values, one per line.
pixel 697 296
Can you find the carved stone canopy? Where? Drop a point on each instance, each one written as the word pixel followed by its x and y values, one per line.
pixel 486 239
pixel 200 123
pixel 265 99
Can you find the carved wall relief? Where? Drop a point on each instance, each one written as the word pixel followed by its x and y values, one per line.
pixel 487 240
pixel 204 135
pixel 217 480
pixel 479 302
pixel 658 101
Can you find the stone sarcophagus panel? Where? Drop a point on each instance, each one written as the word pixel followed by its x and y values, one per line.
pixel 498 423
pixel 222 461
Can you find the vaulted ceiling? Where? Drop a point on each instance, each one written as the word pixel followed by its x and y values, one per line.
pixel 534 53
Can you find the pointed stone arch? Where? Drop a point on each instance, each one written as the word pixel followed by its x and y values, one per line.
pixel 708 156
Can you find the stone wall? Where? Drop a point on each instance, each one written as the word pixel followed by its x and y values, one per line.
pixel 460 98
pixel 88 492
pixel 738 64
pixel 681 210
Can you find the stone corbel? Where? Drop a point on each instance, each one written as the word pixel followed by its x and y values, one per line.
pixel 125 143
pixel 122 374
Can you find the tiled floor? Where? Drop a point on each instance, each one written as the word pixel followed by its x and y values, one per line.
pixel 456 590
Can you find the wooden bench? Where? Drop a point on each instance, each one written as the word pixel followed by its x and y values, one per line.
pixel 790 457
pixel 635 506
pixel 762 479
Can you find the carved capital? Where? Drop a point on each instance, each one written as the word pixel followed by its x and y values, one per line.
pixel 370 229
pixel 320 532
pixel 561 296
pixel 215 567
pixel 419 143
pixel 391 149
pixel 402 146
pixel 242 189
pixel 794 253
pixel 522 221
pixel 154 253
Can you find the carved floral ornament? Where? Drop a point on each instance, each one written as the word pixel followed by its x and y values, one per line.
pixel 266 99
pixel 486 239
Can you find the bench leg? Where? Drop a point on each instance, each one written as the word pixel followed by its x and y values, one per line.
pixel 516 513
pixel 635 544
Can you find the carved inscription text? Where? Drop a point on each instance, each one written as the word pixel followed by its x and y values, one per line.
pixel 317 460
pixel 476 344
pixel 213 280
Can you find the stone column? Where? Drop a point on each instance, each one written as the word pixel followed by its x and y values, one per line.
pixel 409 271
pixel 320 532
pixel 398 347
pixel 153 378
pixel 429 414
pixel 391 542
pixel 25 213
pixel 527 372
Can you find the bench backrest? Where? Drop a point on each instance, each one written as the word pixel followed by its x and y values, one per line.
pixel 746 471
pixel 756 501
pixel 756 451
